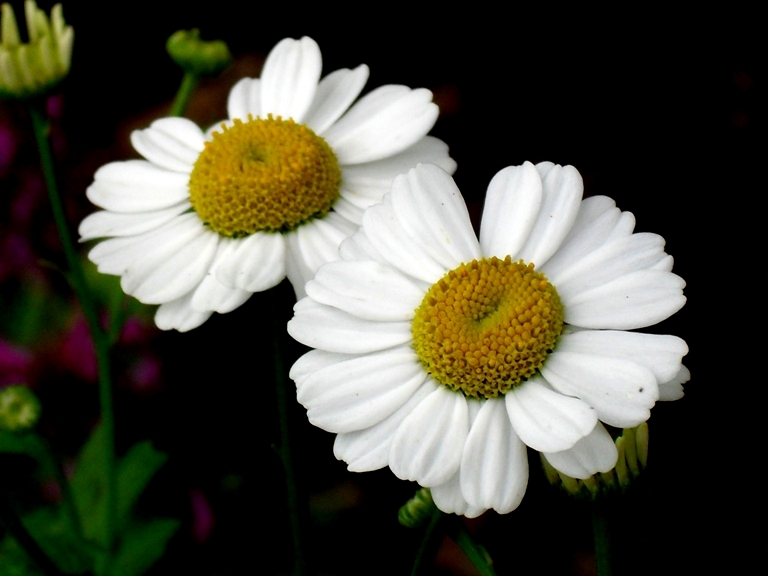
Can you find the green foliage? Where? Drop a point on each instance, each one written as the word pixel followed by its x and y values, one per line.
pixel 134 472
pixel 141 545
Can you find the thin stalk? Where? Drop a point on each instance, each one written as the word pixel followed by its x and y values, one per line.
pixel 16 528
pixel 474 553
pixel 601 531
pixel 299 567
pixel 77 279
pixel 428 542
pixel 183 95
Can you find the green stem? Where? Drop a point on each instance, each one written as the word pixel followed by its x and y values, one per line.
pixel 14 525
pixel 183 95
pixel 429 542
pixel 286 457
pixel 477 556
pixel 100 341
pixel 601 531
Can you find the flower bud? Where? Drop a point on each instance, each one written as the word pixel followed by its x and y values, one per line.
pixel 33 68
pixel 19 408
pixel 195 56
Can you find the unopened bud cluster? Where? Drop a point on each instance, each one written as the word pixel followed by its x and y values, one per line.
pixel 32 68
pixel 19 408
pixel 632 446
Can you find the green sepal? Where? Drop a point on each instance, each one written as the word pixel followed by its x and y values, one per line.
pixel 196 56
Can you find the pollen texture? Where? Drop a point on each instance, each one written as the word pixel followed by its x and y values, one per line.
pixel 266 174
pixel 487 326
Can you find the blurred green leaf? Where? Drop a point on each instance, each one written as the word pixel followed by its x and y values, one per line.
pixel 142 545
pixel 134 472
pixel 88 486
pixel 20 443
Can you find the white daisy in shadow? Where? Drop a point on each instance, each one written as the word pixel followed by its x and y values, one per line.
pixel 209 218
pixel 443 356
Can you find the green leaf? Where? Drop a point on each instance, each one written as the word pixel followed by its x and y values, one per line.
pixel 19 443
pixel 142 545
pixel 134 472
pixel 88 486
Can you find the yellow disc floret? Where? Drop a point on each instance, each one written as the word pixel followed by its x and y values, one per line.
pixel 487 326
pixel 266 174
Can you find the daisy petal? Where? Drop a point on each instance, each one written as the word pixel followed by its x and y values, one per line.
pixel 546 420
pixel 212 294
pixel 106 223
pixel 320 326
pixel 175 266
pixel 609 262
pixel 430 208
pixel 335 94
pixel 137 186
pixel 171 143
pixel 633 301
pixel 662 355
pixel 427 446
pixel 494 464
pixel 349 208
pixel 449 498
pixel 255 263
pixel 673 388
pixel 359 247
pixel 367 290
pixel 511 206
pixel 368 449
pixel 178 314
pixel 244 99
pixel 621 392
pixel 394 244
pixel 382 123
pixel 296 270
pixel 360 392
pixel 594 453
pixel 312 361
pixel 289 78
pixel 562 190
pixel 374 179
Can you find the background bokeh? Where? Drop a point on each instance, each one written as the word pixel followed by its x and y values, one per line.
pixel 660 111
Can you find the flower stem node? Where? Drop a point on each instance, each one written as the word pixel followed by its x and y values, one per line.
pixel 418 510
pixel 35 67
pixel 632 446
pixel 196 56
pixel 19 408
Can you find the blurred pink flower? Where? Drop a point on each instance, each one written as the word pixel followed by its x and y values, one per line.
pixel 15 364
pixel 203 519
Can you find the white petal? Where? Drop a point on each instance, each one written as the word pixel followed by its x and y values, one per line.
pixel 170 143
pixel 296 270
pixel 382 123
pixel 449 498
pixel 594 453
pixel 389 238
pixel 360 392
pixel 374 179
pixel 662 355
pixel 255 263
pixel 597 218
pixel 137 186
pixel 359 247
pixel 368 449
pixel 609 262
pixel 633 301
pixel 327 328
pixel 289 78
pixel 178 314
pixel 367 290
pixel 673 388
pixel 511 206
pixel 244 99
pixel 349 209
pixel 562 190
pixel 212 294
pixel 546 420
pixel 314 360
pixel 175 266
pixel 431 210
pixel 621 392
pixel 494 464
pixel 105 223
pixel 427 446
pixel 335 94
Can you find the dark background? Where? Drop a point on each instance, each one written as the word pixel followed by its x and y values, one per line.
pixel 659 111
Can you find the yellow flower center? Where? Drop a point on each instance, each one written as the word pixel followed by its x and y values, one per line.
pixel 266 174
pixel 487 326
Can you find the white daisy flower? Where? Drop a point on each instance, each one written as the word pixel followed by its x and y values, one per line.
pixel 443 356
pixel 209 218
